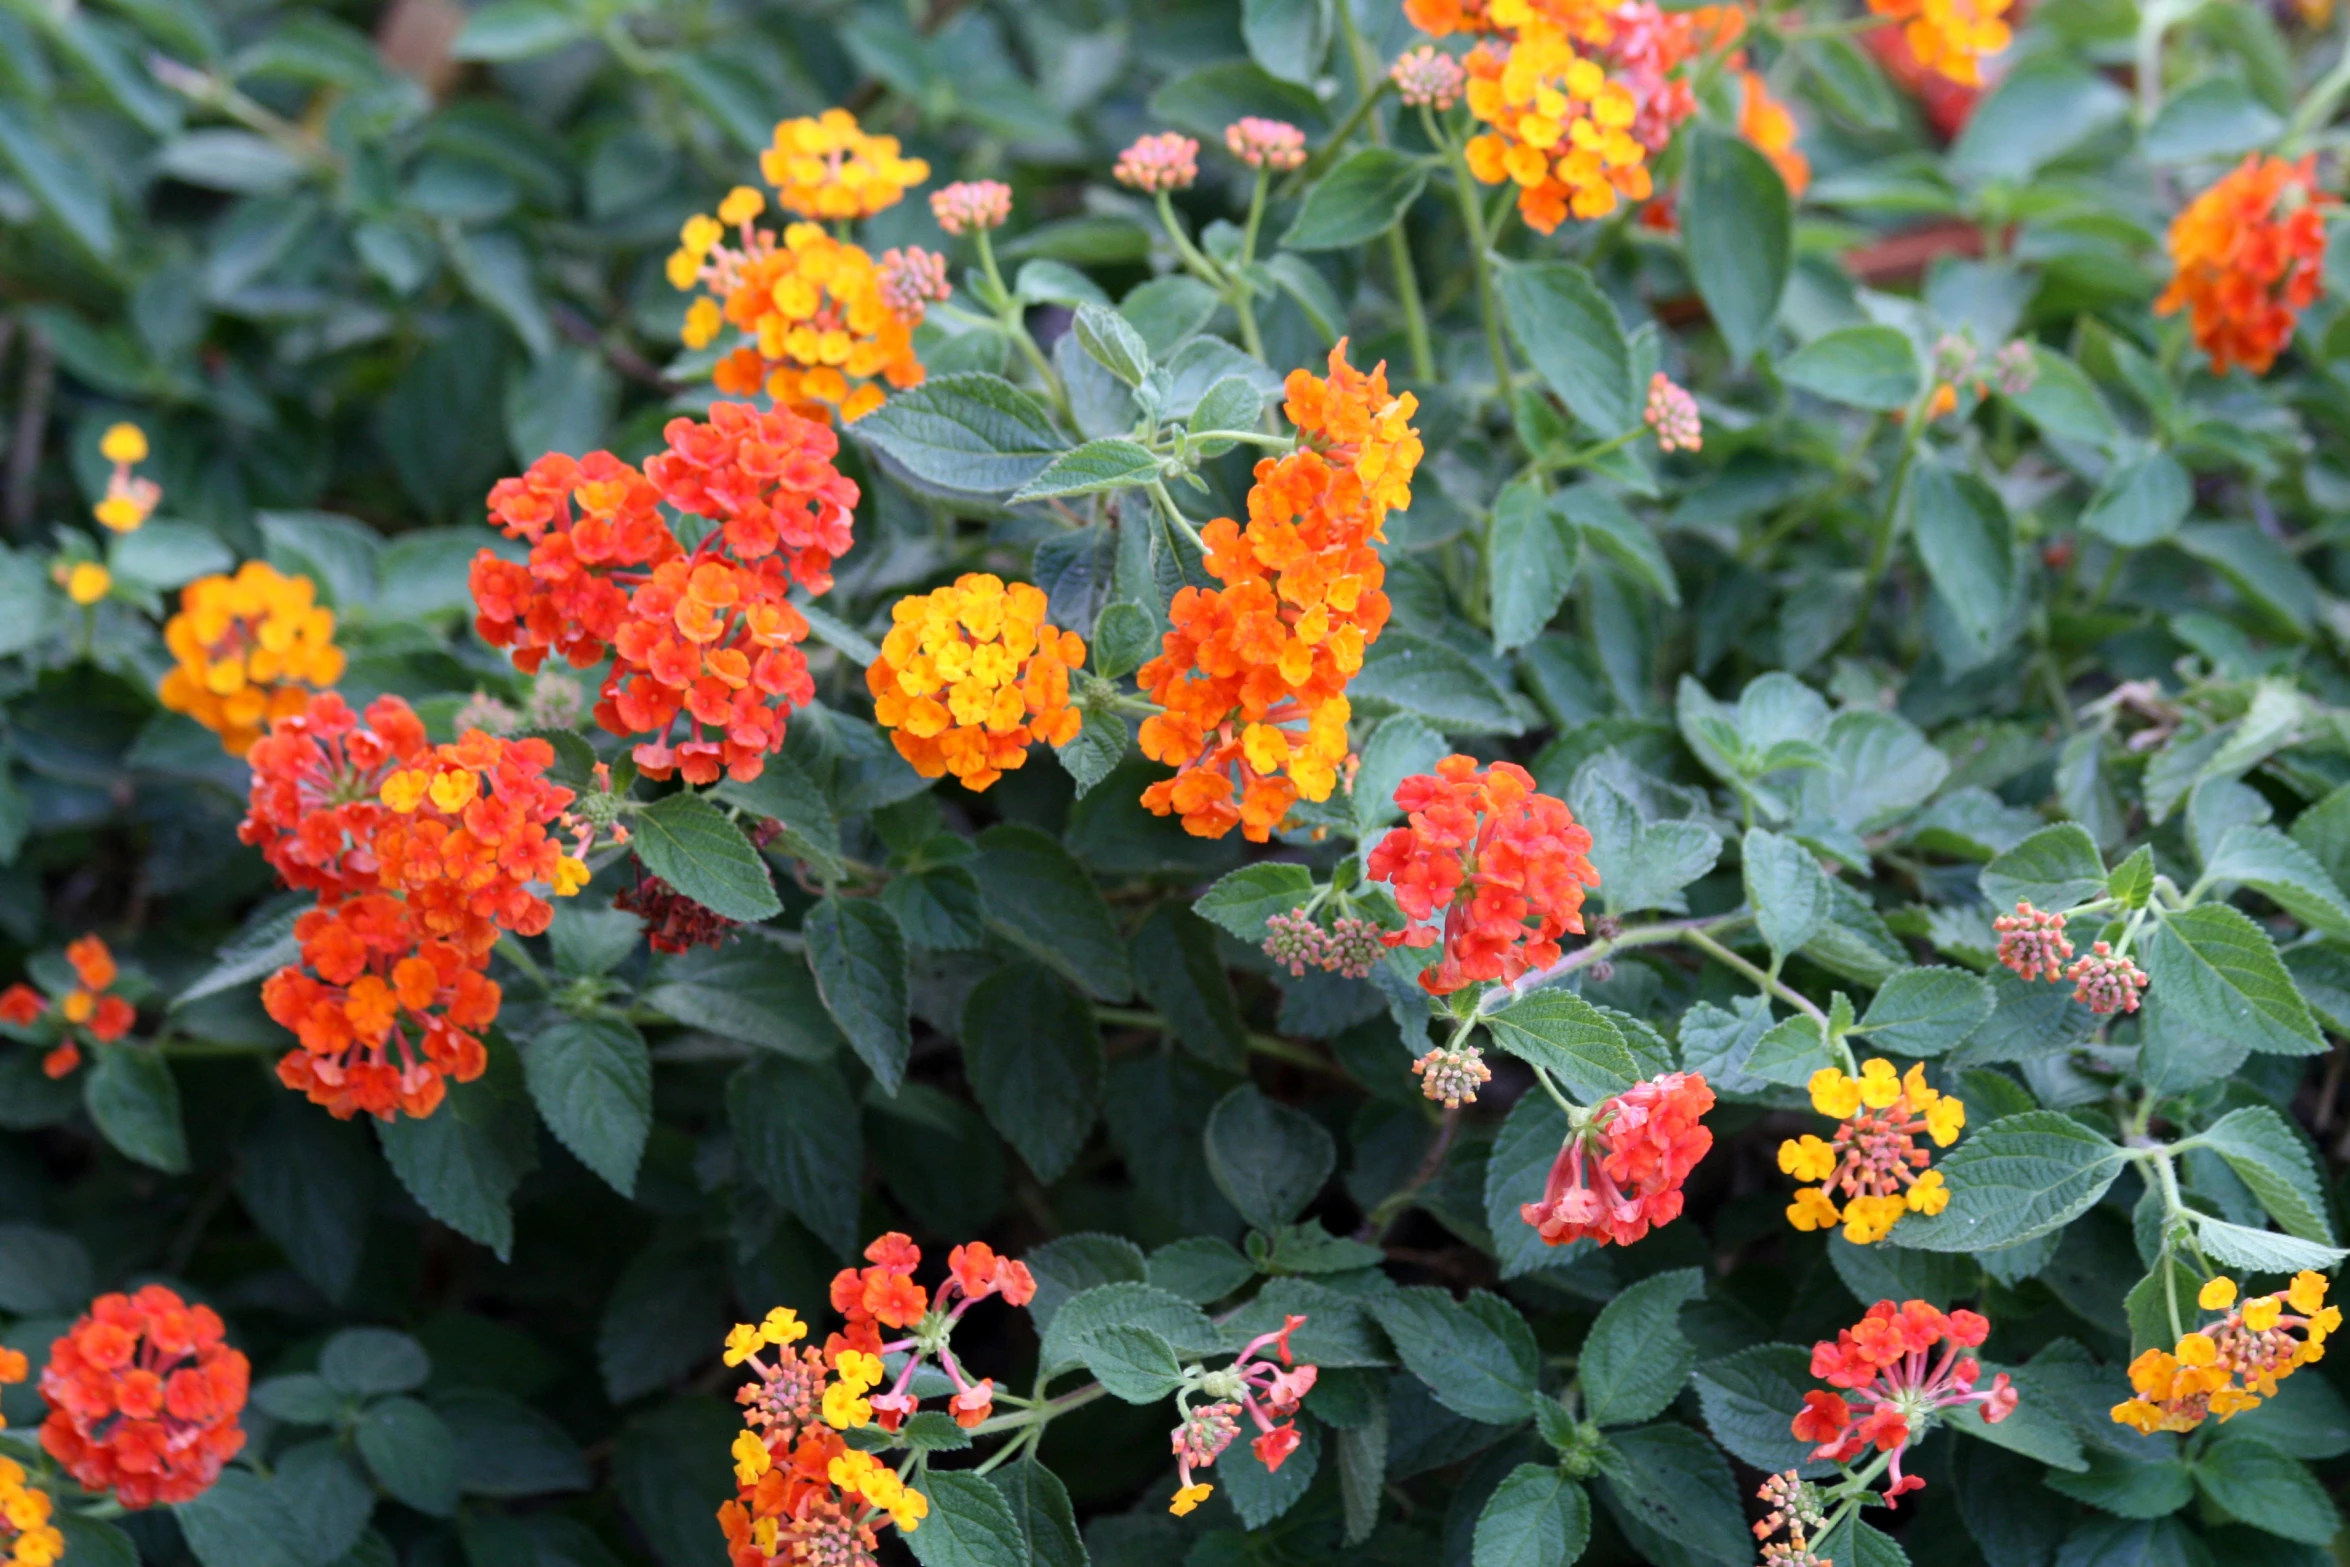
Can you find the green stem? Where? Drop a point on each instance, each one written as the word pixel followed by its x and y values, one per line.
pixel 1266 1045
pixel 2319 106
pixel 1590 454
pixel 1464 186
pixel 1040 1414
pixel 1158 488
pixel 1015 326
pixel 1195 260
pixel 1571 1108
pixel 1242 292
pixel 1770 983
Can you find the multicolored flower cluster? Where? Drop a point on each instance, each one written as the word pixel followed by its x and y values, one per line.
pixel 86 1011
pixel 1266 144
pixel 1561 126
pixel 673 921
pixel 143 1397
pixel 1897 1386
pixel 1649 49
pixel 1619 1173
pixel 1951 38
pixel 971 675
pixel 1251 676
pixel 2229 1365
pixel 821 335
pixel 2034 946
pixel 1349 947
pixel 707 638
pixel 1451 1074
pixel 27 1537
pixel 1251 1385
pixel 1506 864
pixel 250 649
pixel 1796 1506
pixel 420 857
pixel 884 1295
pixel 1873 1158
pixel 2247 254
pixel 129 500
pixel 826 166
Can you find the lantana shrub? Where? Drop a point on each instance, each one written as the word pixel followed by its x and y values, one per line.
pixel 1471 782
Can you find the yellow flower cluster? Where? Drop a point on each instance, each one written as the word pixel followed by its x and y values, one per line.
pixel 782 1326
pixel 1561 127
pixel 249 649
pixel 820 325
pixel 970 675
pixel 861 1474
pixel 27 1537
pixel 129 500
pixel 1873 1158
pixel 825 166
pixel 2226 1367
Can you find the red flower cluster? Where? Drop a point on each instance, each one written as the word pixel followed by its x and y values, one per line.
pixel 1251 1385
pixel 1252 677
pixel 85 1009
pixel 707 636
pixel 885 1295
pixel 1619 1173
pixel 1884 1360
pixel 2248 253
pixel 420 855
pixel 1506 864
pixel 143 1398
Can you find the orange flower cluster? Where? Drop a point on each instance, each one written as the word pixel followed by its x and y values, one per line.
pixel 970 675
pixel 822 335
pixel 85 1008
pixel 1587 21
pixel 2247 253
pixel 803 1496
pixel 420 856
pixel 708 637
pixel 1620 1171
pixel 1505 863
pixel 1873 1158
pixel 1766 123
pixel 249 649
pixel 2228 1366
pixel 27 1537
pixel 825 166
pixel 1951 37
pixel 1561 126
pixel 1252 676
pixel 143 1398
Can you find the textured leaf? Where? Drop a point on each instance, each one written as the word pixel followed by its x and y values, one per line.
pixel 1242 901
pixel 858 956
pixel 2268 1490
pixel 1041 898
pixel 1268 1160
pixel 1748 1399
pixel 1568 1037
pixel 689 843
pixel 1738 233
pixel 2019 1177
pixel 2269 1158
pixel 1358 200
pixel 2222 974
pixel 135 1102
pixel 1926 1011
pixel 1788 889
pixel 2055 868
pixel 1470 1367
pixel 1107 464
pixel 1035 1061
pixel 592 1080
pixel 1665 1482
pixel 1536 1517
pixel 970 433
pixel 797 1133
pixel 1859 366
pixel 1534 557
pixel 462 1163
pixel 1572 337
pixel 1635 1360
pixel 971 1524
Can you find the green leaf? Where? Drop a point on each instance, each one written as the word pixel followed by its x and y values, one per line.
pixel 1182 977
pixel 971 1523
pixel 517 30
pixel 2141 500
pixel 42 1272
pixel 1135 1363
pixel 1042 900
pixel 1268 1160
pixel 77 201
pixel 1068 1339
pixel 135 1102
pixel 1099 746
pixel 2270 1159
pixel 592 1080
pixel 2065 403
pixel 1471 1366
pixel 1635 1360
pixel 1123 636
pixel 2159 1309
pixel 1851 84
pixel 967 434
pixel 2267 1490
pixel 1859 1544
pixel 1536 1517
pixel 1515 1172
pixel 1109 464
pixel 308 1181
pixel 506 1448
pixel 2132 1486
pixel 1112 342
pixel 462 1162
pixel 1749 1398
pixel 1034 1058
pixel 2283 872
pixel 1859 366
pixel 1667 1484
pixel 1738 233
pixel 1259 1495
pixel 2217 117
pixel 858 956
pixel 1968 544
pixel 1242 901
pixel 2056 868
pixel 1623 538
pixel 1357 201
pixel 1287 37
pixel 2032 1428
pixel 753 991
pixel 1642 864
pixel 1041 1503
pixel 1570 334
pixel 1569 1038
pixel 1200 1269
pixel 2019 1177
pixel 364 1362
pixel 666 1465
pixel 1535 551
pixel 93 1542
pixel 1788 889
pixel 1790 1051
pixel 240 1520
pixel 411 1454
pixel 2263 1251
pixel 1436 682
pixel 797 1134
pixel 1926 1011
pixel 2222 975
pixel 689 843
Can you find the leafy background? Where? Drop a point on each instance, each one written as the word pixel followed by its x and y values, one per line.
pixel 348 268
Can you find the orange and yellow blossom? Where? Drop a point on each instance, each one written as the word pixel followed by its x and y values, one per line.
pixel 970 675
pixel 1561 126
pixel 2247 253
pixel 1951 37
pixel 1770 128
pixel 822 336
pixel 250 649
pixel 825 166
pixel 1251 676
pixel 1873 1159
pixel 129 499
pixel 2226 1367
